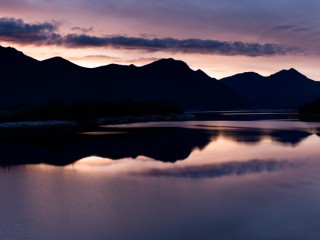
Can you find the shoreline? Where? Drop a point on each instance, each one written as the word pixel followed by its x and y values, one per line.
pixel 61 127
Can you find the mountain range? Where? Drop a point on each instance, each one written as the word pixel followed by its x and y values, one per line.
pixel 282 90
pixel 26 81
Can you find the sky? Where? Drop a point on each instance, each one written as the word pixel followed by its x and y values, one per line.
pixel 221 37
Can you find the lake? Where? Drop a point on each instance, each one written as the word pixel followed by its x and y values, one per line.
pixel 168 180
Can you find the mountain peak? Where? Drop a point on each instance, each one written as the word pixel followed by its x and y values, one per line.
pixel 59 62
pixel 12 57
pixel 243 77
pixel 56 60
pixel 249 75
pixel 169 62
pixel 292 70
pixel 10 50
pixel 292 73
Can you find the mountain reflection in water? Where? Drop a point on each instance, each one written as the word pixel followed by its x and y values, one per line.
pixel 166 142
pixel 255 180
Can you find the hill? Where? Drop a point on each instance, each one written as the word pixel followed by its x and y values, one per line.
pixel 310 111
pixel 285 89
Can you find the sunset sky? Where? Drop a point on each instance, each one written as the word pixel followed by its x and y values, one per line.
pixel 221 37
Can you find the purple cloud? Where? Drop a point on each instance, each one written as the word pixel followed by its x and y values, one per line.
pixel 176 45
pixel 82 29
pixel 16 30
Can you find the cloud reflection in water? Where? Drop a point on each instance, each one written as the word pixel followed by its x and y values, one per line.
pixel 143 166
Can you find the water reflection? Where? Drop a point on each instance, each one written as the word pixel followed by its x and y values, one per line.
pixel 253 136
pixel 143 166
pixel 231 182
pixel 166 142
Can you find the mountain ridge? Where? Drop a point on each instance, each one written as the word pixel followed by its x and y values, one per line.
pixel 283 89
pixel 26 80
pixel 36 82
pixel 157 61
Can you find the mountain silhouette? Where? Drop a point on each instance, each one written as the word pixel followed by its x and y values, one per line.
pixel 284 89
pixel 26 81
pixel 166 144
pixel 162 144
pixel 60 65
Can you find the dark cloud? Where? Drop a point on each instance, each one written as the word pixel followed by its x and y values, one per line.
pixel 146 35
pixel 16 30
pixel 97 57
pixel 137 60
pixel 82 29
pixel 176 45
pixel 301 29
pixel 101 56
pixel 283 27
pixel 291 28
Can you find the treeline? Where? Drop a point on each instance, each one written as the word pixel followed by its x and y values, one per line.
pixel 310 111
pixel 313 107
pixel 87 111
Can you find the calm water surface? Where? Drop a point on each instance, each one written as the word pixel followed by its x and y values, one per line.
pixel 196 180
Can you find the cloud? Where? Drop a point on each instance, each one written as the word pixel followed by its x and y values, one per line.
pixel 283 27
pixel 82 29
pixel 177 45
pixel 291 28
pixel 139 60
pixel 301 29
pixel 96 57
pixel 102 57
pixel 16 30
